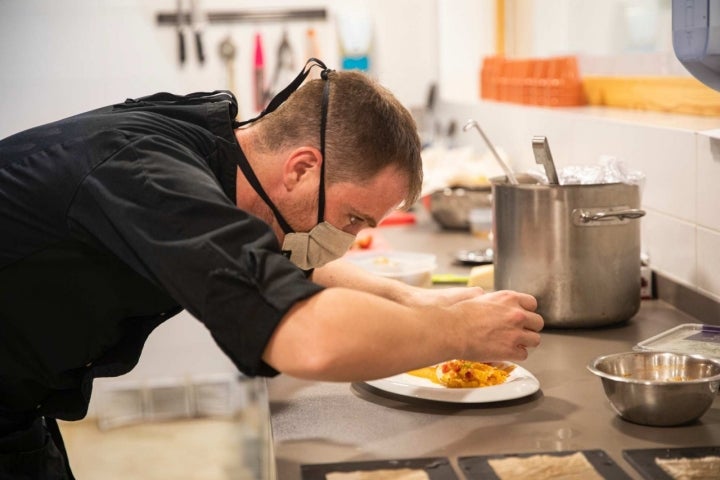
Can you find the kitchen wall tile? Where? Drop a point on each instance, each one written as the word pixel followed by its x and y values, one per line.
pixel 671 246
pixel 708 179
pixel 665 156
pixel 708 262
pixel 512 127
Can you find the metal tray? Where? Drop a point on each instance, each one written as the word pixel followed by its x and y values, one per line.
pixel 688 338
pixel 643 460
pixel 483 256
pixel 478 468
pixel 437 468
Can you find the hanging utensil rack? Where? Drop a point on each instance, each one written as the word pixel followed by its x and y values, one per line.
pixel 171 19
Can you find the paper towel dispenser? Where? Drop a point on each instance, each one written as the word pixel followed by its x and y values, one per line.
pixel 696 38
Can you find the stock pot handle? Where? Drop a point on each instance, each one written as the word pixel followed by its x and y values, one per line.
pixel 586 216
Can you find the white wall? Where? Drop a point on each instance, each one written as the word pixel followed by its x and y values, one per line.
pixel 61 57
pixel 466 34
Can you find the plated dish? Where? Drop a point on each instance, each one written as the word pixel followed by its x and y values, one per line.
pixel 520 383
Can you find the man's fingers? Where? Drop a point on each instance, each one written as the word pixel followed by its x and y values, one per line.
pixel 534 323
pixel 528 302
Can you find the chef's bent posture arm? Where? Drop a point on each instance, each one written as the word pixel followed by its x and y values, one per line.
pixel 341 334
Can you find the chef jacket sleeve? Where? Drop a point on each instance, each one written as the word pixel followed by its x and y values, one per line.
pixel 156 205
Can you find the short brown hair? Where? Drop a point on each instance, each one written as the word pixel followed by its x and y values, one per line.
pixel 367 129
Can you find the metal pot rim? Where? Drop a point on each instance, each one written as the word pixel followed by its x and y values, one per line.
pixel 544 186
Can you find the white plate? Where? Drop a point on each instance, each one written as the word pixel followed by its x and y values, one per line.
pixel 520 383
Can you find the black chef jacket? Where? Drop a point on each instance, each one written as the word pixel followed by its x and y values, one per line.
pixel 111 222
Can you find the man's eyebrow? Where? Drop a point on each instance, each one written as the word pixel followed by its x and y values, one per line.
pixel 372 223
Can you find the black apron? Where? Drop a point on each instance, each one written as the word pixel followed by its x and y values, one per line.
pixel 32 448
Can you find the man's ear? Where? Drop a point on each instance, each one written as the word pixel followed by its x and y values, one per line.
pixel 302 164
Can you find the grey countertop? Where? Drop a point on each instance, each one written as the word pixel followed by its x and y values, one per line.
pixel 317 422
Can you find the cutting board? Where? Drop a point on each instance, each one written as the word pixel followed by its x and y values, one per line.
pixel 437 468
pixel 478 468
pixel 644 459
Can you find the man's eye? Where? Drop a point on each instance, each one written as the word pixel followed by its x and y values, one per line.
pixel 355 220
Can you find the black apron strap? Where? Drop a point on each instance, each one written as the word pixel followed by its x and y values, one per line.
pixel 52 426
pixel 274 104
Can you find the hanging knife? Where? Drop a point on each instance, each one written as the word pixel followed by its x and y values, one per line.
pixel 196 25
pixel 180 33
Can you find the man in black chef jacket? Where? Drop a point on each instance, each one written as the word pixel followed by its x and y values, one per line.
pixel 114 220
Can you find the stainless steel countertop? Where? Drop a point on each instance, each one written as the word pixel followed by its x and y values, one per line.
pixel 317 422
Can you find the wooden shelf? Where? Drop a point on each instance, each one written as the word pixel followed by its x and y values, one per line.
pixel 683 95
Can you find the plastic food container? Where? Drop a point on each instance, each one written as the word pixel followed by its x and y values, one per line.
pixel 409 267
pixel 688 338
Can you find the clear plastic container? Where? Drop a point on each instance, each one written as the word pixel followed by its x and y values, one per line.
pixel 480 220
pixel 688 338
pixel 409 267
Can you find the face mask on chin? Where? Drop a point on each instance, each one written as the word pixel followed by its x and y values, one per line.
pixel 324 242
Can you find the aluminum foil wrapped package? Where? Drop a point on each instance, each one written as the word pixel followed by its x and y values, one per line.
pixel 609 169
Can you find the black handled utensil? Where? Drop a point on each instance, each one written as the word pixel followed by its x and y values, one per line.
pixel 196 25
pixel 180 33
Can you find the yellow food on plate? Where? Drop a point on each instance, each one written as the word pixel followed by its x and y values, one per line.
pixel 465 374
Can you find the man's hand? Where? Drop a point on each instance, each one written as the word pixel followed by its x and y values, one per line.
pixel 500 325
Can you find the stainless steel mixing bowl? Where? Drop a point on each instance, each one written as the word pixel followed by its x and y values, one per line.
pixel 450 207
pixel 658 388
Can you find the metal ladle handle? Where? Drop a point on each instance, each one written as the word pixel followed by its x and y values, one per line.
pixel 509 173
pixel 541 149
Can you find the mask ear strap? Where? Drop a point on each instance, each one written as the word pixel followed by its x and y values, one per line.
pixel 323 124
pixel 255 183
pixel 285 93
pixel 274 103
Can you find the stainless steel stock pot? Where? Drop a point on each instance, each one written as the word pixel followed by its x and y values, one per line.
pixel 576 248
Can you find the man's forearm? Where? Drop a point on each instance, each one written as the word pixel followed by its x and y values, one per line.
pixel 345 335
pixel 342 273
